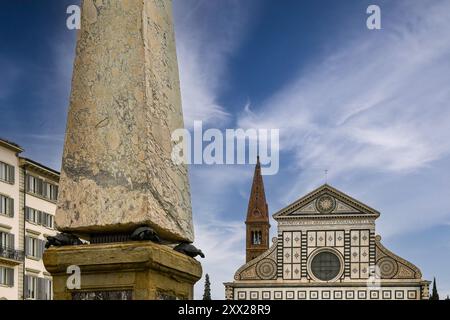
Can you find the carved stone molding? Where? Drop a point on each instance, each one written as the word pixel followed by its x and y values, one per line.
pixel 263 267
pixel 392 266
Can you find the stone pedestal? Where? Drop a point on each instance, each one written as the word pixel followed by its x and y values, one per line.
pixel 132 270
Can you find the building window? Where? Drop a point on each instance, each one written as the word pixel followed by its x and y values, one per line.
pixel 6 206
pixel 6 173
pixel 34 247
pixel 325 266
pixel 44 287
pixel 256 237
pixel 34 185
pixel 48 221
pixel 31 287
pixel 41 188
pixel 6 241
pixel 52 191
pixel 32 215
pixel 38 288
pixel 6 277
pixel 39 217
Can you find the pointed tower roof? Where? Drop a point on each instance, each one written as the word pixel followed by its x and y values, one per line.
pixel 257 205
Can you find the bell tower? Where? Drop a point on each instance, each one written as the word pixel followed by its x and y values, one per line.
pixel 257 222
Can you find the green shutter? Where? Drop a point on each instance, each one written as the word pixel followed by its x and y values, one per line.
pixel 10 277
pixel 27 246
pixel 11 207
pixel 11 243
pixel 40 288
pixel 44 189
pixel 27 183
pixel 41 248
pixel 11 174
pixel 26 286
pixel 39 186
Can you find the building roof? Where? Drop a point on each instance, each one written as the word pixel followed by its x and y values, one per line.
pixel 257 205
pixel 36 166
pixel 10 145
pixel 28 162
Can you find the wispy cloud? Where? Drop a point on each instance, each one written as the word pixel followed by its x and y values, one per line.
pixel 207 34
pixel 223 246
pixel 379 103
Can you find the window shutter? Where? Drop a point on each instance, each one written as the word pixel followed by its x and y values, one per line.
pixel 11 174
pixel 11 241
pixel 25 287
pixel 50 289
pixel 38 249
pixel 41 246
pixel 40 287
pixel 41 249
pixel 11 207
pixel 27 246
pixel 44 188
pixel 10 277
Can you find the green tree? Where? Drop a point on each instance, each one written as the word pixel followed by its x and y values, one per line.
pixel 434 295
pixel 207 292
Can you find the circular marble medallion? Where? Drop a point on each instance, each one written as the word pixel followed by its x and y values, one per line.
pixel 388 267
pixel 266 269
pixel 325 204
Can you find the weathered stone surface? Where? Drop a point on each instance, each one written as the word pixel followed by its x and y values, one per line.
pixel 134 270
pixel 117 171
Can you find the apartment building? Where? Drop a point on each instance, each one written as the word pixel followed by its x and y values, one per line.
pixel 28 193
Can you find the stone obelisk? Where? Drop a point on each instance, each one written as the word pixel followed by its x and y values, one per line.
pixel 117 173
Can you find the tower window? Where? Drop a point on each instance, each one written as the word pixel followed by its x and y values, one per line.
pixel 256 237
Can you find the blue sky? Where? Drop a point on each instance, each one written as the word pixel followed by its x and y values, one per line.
pixel 370 106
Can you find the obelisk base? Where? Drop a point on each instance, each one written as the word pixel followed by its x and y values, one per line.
pixel 122 271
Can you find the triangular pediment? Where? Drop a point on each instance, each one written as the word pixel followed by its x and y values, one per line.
pixel 323 201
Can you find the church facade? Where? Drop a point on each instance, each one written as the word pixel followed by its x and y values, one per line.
pixel 326 249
